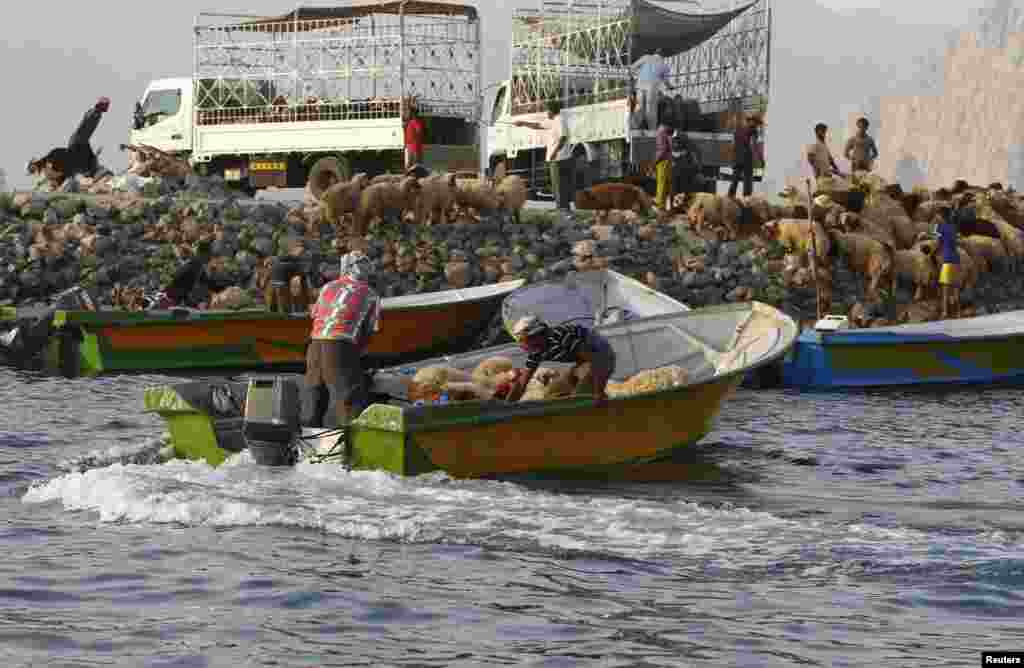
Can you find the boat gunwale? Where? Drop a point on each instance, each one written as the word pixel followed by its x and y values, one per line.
pixel 619 277
pixel 569 405
pixel 121 318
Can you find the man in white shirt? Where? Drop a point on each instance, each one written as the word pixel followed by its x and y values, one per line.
pixel 819 157
pixel 652 73
pixel 557 155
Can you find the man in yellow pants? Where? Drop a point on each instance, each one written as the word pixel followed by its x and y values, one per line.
pixel 949 275
pixel 663 164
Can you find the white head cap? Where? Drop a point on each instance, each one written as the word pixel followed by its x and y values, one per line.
pixel 528 326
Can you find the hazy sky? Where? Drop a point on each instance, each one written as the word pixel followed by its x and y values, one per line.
pixel 59 57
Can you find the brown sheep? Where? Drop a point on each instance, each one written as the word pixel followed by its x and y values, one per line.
pixel 386 178
pixel 795 235
pixel 606 197
pixel 381 199
pixel 869 227
pixel 1012 238
pixel 341 198
pixel 869 257
pixel 436 198
pixel 991 251
pixel 476 194
pixel 918 268
pixel 715 213
pixel 512 195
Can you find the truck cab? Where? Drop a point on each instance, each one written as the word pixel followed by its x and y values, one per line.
pixel 164 116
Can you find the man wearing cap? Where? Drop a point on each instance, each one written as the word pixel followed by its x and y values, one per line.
pixel 745 143
pixel 590 353
pixel 345 316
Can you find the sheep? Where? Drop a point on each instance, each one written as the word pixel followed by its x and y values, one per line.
pixel 869 227
pixel 436 197
pixel 605 197
pixel 991 251
pixel 917 267
pixel 512 195
pixel 714 212
pixel 869 257
pixel 382 199
pixel 796 236
pixel 476 194
pixel 341 198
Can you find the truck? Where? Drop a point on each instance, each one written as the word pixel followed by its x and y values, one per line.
pixel 270 97
pixel 582 55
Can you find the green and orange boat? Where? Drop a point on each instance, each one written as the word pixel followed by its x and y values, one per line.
pixel 94 343
pixel 715 346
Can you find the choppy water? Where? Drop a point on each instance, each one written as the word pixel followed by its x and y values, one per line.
pixel 883 529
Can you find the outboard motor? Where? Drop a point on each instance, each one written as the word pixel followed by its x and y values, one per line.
pixel 271 424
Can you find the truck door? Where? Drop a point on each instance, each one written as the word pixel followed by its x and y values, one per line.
pixel 165 121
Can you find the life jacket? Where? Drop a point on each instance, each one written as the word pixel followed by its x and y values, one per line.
pixel 344 309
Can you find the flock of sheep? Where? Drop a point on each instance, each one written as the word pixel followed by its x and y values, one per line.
pixel 883 234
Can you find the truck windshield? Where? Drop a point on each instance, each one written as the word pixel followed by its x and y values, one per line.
pixel 161 104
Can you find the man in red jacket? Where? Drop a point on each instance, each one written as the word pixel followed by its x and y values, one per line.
pixel 414 132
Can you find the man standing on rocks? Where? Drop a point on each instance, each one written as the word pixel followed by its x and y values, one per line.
pixel 949 275
pixel 78 158
pixel 861 149
pixel 663 164
pixel 819 157
pixel 745 141
pixel 414 131
pixel 652 74
pixel 557 155
pixel 345 316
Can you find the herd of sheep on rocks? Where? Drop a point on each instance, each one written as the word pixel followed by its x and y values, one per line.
pixel 422 230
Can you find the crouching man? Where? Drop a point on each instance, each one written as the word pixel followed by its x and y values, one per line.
pixel 345 316
pixel 590 353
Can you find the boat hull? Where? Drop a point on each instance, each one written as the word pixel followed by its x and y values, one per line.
pixel 863 358
pixel 119 342
pixel 571 436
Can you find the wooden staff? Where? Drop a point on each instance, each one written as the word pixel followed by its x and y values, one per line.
pixel 812 251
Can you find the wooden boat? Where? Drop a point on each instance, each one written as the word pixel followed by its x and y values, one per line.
pixel 717 346
pixel 979 350
pixel 92 343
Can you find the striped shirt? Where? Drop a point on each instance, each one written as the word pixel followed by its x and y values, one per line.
pixel 561 344
pixel 346 310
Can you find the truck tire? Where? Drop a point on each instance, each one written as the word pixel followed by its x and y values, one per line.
pixel 326 171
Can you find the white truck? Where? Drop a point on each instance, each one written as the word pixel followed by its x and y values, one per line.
pixel 581 56
pixel 269 97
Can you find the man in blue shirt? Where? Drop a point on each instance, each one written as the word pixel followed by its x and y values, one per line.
pixel 652 73
pixel 949 276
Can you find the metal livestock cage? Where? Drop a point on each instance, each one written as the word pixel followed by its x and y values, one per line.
pixel 328 64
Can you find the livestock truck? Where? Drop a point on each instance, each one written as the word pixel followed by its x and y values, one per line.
pixel 270 97
pixel 582 54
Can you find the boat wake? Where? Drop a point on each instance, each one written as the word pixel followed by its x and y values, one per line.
pixel 435 509
pixel 155 451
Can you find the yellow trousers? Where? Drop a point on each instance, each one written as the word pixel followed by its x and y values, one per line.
pixel 663 177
